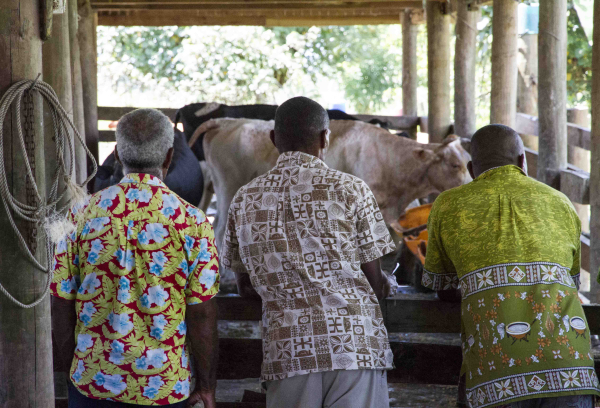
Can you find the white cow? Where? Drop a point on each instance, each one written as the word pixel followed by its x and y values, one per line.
pixel 398 170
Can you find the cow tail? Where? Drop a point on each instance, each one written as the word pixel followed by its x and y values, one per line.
pixel 200 130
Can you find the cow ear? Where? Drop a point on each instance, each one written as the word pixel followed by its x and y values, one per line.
pixel 449 139
pixel 466 144
pixel 424 154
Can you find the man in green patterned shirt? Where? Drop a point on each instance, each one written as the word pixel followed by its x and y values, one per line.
pixel 511 245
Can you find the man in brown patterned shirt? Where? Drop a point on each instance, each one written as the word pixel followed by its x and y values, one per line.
pixel 308 239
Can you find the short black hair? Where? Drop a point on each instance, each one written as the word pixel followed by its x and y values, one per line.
pixel 299 122
pixel 494 146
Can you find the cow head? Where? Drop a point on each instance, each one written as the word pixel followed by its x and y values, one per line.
pixel 448 168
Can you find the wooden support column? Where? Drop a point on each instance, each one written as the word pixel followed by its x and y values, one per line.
pixel 409 67
pixel 467 17
pixel 580 158
pixel 57 73
pixel 438 62
pixel 552 99
pixel 595 173
pixel 77 92
pixel 503 101
pixel 89 74
pixel 25 345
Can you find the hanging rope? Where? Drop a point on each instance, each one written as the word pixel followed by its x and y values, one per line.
pixel 45 210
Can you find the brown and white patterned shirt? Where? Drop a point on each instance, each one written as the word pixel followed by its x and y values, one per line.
pixel 301 231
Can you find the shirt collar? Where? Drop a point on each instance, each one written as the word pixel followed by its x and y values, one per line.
pixel 502 170
pixel 289 159
pixel 142 178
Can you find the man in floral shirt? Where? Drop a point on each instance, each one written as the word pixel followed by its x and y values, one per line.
pixel 512 246
pixel 134 280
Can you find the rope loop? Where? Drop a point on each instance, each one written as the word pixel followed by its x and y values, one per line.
pixel 45 207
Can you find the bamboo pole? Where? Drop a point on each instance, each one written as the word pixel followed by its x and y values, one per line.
pixel 595 173
pixel 464 69
pixel 77 92
pixel 503 101
pixel 438 60
pixel 89 74
pixel 552 91
pixel 25 345
pixel 409 66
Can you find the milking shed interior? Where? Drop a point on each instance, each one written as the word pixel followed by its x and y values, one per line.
pixel 68 62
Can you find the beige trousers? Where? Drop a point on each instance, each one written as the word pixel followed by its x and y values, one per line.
pixel 332 389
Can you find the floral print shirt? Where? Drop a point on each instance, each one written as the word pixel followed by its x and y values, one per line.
pixel 301 231
pixel 138 256
pixel 512 246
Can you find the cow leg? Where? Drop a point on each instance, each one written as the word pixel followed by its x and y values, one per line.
pixel 209 189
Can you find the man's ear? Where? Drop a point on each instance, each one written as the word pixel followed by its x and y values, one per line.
pixel 470 168
pixel 168 160
pixel 117 156
pixel 324 141
pixel 272 137
pixel 522 163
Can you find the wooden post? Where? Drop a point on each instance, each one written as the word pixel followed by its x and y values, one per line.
pixel 503 103
pixel 25 345
pixel 464 69
pixel 438 62
pixel 77 92
pixel 527 88
pixel 595 173
pixel 89 75
pixel 579 157
pixel 552 99
pixel 409 67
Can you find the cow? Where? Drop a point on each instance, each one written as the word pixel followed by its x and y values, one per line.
pixel 398 170
pixel 184 176
pixel 193 115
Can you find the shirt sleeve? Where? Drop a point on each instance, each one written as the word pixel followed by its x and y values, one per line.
pixel 231 247
pixel 65 269
pixel 203 280
pixel 439 272
pixel 373 239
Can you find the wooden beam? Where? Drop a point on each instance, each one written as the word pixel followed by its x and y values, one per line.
pixel 25 344
pixel 409 65
pixel 503 100
pixel 89 75
pixel 552 90
pixel 301 17
pixel 464 69
pixel 438 71
pixel 77 92
pixel 115 113
pixel 595 148
pixel 527 79
pixel 576 135
pixel 575 184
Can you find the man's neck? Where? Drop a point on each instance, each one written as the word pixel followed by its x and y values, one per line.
pixel 482 169
pixel 158 173
pixel 312 152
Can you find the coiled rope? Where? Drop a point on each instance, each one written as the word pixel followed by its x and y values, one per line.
pixel 46 210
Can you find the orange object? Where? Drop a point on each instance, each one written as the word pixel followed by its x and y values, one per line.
pixel 415 217
pixel 418 245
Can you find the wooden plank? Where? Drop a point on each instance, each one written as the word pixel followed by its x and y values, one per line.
pixel 575 184
pixel 106 136
pixel 576 135
pixel 406 315
pixel 200 18
pixel 115 113
pixel 595 170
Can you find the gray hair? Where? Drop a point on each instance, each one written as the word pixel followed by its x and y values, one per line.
pixel 144 137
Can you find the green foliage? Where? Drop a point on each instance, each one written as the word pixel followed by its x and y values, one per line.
pixel 253 64
pixel 579 62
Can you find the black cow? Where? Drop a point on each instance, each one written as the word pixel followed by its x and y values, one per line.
pixel 193 115
pixel 184 176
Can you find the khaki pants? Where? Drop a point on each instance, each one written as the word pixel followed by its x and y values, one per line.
pixel 332 389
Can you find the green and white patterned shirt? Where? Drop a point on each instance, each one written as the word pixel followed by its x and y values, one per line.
pixel 512 246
